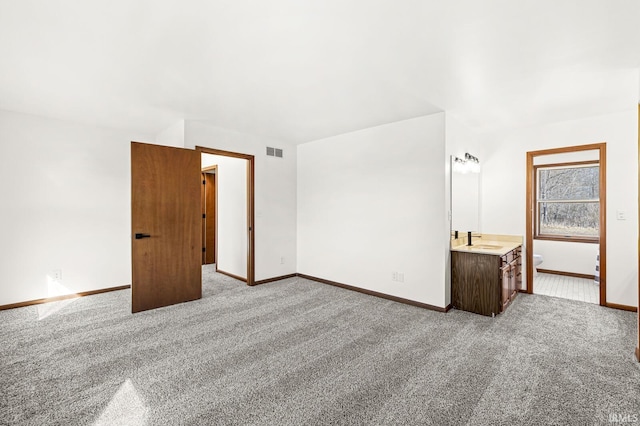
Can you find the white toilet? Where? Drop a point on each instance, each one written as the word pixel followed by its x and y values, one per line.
pixel 537 260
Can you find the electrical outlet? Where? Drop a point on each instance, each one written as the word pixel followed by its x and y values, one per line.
pixel 56 274
pixel 401 277
pixel 394 276
pixel 621 215
pixel 282 260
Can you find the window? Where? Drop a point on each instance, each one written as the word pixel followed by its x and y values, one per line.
pixel 568 202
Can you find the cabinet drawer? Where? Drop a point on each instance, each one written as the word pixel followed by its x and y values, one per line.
pixel 506 259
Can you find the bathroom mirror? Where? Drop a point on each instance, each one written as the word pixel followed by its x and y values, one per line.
pixel 465 199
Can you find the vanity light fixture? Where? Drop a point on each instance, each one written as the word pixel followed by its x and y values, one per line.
pixel 469 157
pixel 470 164
pixel 459 165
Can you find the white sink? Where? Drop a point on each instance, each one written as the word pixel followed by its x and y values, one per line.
pixel 485 247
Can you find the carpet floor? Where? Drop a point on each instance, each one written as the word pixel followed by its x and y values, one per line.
pixel 301 352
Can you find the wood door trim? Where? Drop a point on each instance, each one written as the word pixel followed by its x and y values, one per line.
pixel 638 342
pixel 603 225
pixel 203 203
pixel 224 153
pixel 209 217
pixel 601 147
pixel 529 222
pixel 251 257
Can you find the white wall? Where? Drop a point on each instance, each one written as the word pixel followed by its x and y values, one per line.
pixel 579 258
pixel 372 202
pixel 66 204
pixel 172 135
pixel 275 194
pixel 504 186
pixel 231 206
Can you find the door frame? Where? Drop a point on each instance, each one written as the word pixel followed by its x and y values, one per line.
pixel 251 264
pixel 602 158
pixel 638 342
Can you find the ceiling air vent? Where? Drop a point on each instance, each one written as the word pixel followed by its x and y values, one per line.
pixel 274 152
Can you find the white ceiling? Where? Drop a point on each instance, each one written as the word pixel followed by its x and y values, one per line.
pixel 300 70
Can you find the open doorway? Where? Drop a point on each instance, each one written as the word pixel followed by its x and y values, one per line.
pixel 228 213
pixel 209 217
pixel 566 218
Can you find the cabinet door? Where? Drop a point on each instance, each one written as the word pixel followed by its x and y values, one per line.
pixel 505 295
pixel 476 283
pixel 518 274
pixel 513 279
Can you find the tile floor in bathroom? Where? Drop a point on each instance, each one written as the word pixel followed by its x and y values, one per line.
pixel 565 287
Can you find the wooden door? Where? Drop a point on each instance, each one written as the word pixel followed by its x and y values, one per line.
pixel 210 218
pixel 165 226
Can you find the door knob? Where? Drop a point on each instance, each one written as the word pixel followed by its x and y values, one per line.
pixel 140 236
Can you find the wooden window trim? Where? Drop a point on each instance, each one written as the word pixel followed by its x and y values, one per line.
pixel 536 218
pixel 570 239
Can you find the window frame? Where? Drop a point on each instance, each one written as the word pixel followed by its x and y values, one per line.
pixel 536 204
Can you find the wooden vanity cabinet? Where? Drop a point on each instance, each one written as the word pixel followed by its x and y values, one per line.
pixel 484 283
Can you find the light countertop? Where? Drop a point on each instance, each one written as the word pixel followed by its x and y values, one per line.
pixel 496 247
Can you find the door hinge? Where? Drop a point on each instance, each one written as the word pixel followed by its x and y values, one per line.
pixel 204 215
pixel 204 182
pixel 204 249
